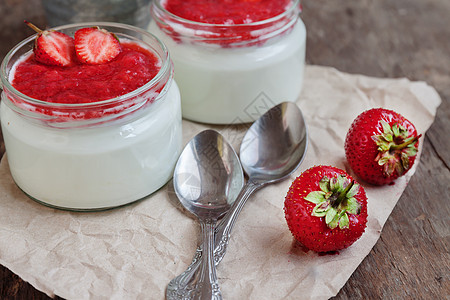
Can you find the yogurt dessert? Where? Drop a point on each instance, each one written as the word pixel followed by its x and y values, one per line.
pixel 89 136
pixel 233 59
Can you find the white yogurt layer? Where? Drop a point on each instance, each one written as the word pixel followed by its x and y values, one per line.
pixel 94 167
pixel 223 85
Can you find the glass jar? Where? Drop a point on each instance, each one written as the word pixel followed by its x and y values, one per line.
pixel 97 155
pixel 234 73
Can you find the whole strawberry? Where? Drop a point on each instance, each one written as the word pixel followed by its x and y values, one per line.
pixel 52 47
pixel 381 145
pixel 325 209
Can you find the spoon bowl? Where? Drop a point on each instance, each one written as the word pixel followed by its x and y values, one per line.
pixel 275 144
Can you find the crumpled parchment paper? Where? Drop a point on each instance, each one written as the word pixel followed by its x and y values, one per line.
pixel 134 251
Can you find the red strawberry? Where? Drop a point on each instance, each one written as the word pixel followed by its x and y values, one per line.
pixel 96 46
pixel 52 47
pixel 325 209
pixel 381 145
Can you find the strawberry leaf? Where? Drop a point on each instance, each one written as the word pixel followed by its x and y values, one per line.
pixel 353 206
pixel 399 166
pixel 320 210
pixel 383 160
pixel 378 139
pixel 405 160
pixel 388 169
pixel 344 221
pixel 411 150
pixel 323 183
pixel 334 222
pixel 396 130
pixel 331 213
pixel 389 137
pixel 353 191
pixel 315 197
pixel 408 140
pixel 386 127
pixel 334 184
pixel 342 183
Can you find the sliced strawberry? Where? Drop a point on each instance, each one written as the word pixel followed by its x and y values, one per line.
pixel 96 46
pixel 52 47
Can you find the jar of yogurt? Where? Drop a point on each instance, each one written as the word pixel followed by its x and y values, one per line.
pixel 93 153
pixel 233 59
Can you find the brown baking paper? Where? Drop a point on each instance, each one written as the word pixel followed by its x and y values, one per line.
pixel 134 251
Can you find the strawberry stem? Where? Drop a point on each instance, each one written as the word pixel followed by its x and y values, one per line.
pixel 404 145
pixel 342 195
pixel 32 26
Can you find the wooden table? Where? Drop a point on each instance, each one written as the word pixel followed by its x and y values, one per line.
pixel 402 38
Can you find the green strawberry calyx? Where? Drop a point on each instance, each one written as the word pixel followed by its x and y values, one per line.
pixel 335 201
pixel 395 148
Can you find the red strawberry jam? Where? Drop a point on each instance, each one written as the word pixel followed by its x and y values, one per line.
pixel 83 83
pixel 226 11
pixel 228 23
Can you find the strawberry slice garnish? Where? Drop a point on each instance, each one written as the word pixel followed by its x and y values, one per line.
pixel 94 45
pixel 52 47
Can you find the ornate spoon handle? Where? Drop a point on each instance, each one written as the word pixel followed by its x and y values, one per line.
pixel 226 224
pixel 207 286
pixel 182 286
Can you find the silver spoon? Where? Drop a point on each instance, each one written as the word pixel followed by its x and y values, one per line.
pixel 271 150
pixel 207 178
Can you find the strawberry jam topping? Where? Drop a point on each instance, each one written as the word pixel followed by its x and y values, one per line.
pixel 228 23
pixel 226 12
pixel 82 83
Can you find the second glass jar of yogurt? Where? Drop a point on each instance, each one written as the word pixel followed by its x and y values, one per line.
pixel 99 153
pixel 233 62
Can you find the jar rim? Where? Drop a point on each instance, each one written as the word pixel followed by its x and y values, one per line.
pixel 165 60
pixel 287 12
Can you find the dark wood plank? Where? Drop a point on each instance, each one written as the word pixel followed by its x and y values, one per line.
pixel 397 39
pixel 402 38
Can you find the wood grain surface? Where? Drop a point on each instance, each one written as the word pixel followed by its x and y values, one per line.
pixel 381 38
